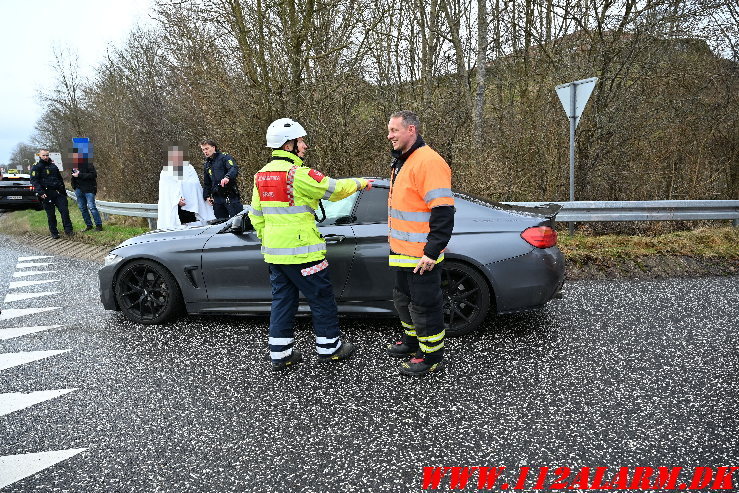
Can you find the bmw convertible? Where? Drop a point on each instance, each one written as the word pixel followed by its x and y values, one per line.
pixel 500 259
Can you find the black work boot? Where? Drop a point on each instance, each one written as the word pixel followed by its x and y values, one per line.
pixel 417 367
pixel 88 228
pixel 98 227
pixel 406 346
pixel 345 350
pixel 295 357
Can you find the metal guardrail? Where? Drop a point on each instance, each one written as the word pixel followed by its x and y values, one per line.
pixel 579 211
pixel 650 210
pixel 131 209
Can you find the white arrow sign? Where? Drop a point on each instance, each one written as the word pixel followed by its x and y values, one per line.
pixel 580 91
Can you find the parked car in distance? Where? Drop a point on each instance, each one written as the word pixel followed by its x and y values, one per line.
pixel 16 192
pixel 500 259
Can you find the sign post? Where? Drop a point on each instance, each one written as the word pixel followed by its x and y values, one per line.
pixel 57 158
pixel 574 96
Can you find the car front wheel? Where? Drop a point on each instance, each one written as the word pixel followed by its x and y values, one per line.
pixel 147 293
pixel 466 298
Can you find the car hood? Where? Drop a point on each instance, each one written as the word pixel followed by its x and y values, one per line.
pixel 164 235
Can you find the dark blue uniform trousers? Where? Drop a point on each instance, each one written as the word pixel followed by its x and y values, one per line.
pixel 287 284
pixel 56 200
pixel 224 208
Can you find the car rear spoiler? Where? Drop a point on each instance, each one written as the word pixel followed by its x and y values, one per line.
pixel 547 210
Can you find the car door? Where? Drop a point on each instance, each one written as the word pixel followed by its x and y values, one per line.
pixel 234 269
pixel 235 272
pixel 371 277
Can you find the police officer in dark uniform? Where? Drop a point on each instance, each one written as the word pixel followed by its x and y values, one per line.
pixel 48 184
pixel 219 181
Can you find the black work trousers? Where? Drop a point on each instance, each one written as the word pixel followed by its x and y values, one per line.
pixel 419 303
pixel 224 208
pixel 55 200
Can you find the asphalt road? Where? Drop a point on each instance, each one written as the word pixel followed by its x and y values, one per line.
pixel 618 373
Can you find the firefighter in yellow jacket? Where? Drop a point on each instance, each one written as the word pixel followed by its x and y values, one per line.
pixel 421 219
pixel 284 200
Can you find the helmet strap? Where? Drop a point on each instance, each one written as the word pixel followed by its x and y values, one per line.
pixel 295 147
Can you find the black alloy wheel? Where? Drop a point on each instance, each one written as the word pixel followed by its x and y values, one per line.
pixel 466 298
pixel 147 293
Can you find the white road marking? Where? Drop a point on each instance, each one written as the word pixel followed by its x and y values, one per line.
pixel 13 468
pixel 23 284
pixel 16 467
pixel 30 273
pixel 10 297
pixel 12 332
pixel 9 360
pixel 32 264
pixel 9 313
pixel 15 401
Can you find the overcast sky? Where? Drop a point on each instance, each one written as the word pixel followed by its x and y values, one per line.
pixel 31 30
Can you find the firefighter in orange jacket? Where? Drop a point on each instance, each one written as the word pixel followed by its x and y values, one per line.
pixel 421 219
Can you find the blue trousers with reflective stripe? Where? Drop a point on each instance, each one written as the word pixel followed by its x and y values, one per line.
pixel 287 284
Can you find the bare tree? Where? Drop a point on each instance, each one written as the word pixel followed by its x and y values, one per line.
pixel 662 122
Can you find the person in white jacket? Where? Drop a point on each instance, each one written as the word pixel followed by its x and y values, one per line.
pixel 181 201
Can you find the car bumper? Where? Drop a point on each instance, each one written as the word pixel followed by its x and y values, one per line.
pixel 24 202
pixel 529 281
pixel 107 293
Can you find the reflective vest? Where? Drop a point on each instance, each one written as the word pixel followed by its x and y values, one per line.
pixel 284 199
pixel 424 182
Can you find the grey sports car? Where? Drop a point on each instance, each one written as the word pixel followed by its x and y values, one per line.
pixel 501 258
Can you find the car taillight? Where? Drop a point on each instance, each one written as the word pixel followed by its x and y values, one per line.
pixel 540 236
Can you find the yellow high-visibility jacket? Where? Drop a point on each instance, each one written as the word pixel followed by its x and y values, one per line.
pixel 284 199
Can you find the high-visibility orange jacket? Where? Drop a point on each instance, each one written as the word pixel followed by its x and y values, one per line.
pixel 423 183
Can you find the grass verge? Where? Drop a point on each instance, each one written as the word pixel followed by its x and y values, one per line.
pixel 716 243
pixel 116 230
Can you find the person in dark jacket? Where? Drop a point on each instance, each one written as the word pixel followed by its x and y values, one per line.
pixel 84 183
pixel 219 181
pixel 48 184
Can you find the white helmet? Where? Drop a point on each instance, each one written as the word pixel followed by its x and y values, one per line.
pixel 283 130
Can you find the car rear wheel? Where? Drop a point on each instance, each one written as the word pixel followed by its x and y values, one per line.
pixel 147 293
pixel 466 298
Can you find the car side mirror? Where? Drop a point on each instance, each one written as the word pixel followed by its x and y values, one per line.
pixel 237 224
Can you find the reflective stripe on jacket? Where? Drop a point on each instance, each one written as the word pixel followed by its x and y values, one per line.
pixel 424 182
pixel 284 198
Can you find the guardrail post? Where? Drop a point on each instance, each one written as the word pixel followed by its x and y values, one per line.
pixel 736 223
pixel 152 222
